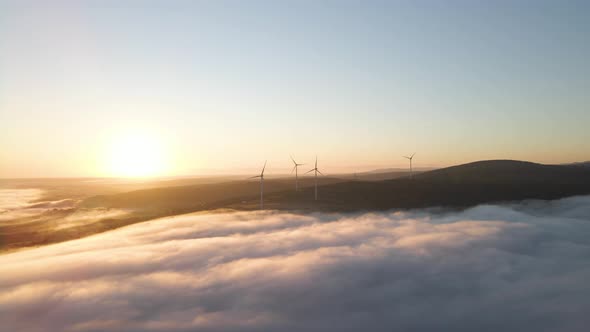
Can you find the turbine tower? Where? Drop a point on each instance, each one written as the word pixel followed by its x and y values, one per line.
pixel 316 176
pixel 296 165
pixel 410 159
pixel 261 176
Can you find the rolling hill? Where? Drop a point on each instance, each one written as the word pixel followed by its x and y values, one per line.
pixel 453 187
pixel 459 186
pixel 456 186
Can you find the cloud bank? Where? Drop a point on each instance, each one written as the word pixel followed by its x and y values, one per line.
pixel 16 204
pixel 21 207
pixel 17 198
pixel 491 268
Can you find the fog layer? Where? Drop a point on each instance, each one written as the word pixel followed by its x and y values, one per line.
pixel 490 268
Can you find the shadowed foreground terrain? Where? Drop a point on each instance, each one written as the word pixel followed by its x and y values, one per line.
pixel 454 187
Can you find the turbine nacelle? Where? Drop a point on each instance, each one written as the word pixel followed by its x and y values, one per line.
pixel 316 170
pixel 261 173
pixel 261 176
pixel 410 157
pixel 295 165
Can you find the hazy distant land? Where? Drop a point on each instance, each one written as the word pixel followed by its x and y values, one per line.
pixel 57 210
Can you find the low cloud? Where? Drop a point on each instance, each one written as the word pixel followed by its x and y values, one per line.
pixel 17 198
pixel 490 268
pixel 67 203
pixel 23 207
pixel 16 204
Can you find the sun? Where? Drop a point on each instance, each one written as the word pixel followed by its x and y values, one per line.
pixel 136 155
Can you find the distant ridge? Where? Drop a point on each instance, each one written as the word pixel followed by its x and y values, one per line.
pixel 580 164
pixel 397 170
pixel 488 181
pixel 461 186
pixel 504 171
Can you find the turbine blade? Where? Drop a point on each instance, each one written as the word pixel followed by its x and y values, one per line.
pixel 294 167
pixel 311 170
pixel 293 160
pixel 320 172
pixel 253 177
pixel 263 167
pixel 413 155
pixel 316 161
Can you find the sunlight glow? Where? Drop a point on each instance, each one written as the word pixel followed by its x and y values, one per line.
pixel 136 155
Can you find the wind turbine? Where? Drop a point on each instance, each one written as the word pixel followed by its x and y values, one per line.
pixel 410 159
pixel 261 176
pixel 296 165
pixel 316 176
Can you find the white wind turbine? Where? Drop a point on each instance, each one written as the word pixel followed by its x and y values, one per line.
pixel 261 176
pixel 296 165
pixel 316 176
pixel 410 159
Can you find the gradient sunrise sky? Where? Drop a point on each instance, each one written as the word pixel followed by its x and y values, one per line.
pixel 220 86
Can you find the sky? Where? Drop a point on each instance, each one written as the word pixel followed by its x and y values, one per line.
pixel 100 88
